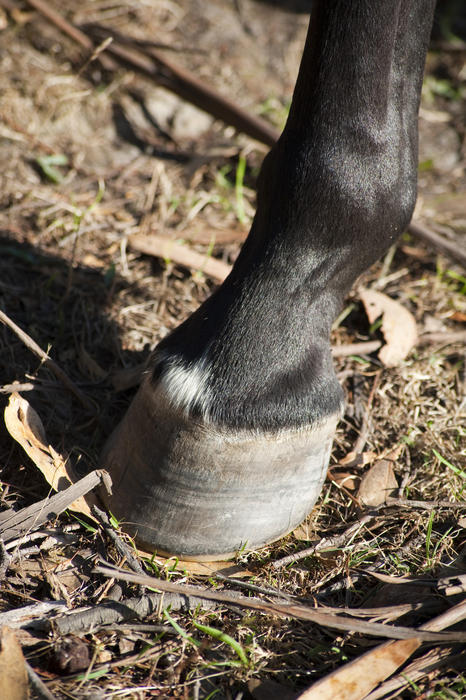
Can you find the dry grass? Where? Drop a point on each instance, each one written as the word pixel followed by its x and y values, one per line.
pixel 69 279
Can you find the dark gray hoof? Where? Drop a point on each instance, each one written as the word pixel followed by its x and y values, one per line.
pixel 203 492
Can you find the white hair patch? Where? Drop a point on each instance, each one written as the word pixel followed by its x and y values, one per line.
pixel 186 384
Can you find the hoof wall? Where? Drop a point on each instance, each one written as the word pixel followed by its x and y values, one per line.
pixel 204 493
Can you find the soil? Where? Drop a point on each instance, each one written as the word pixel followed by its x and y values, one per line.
pixel 91 157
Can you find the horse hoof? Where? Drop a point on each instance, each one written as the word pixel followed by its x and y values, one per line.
pixel 205 492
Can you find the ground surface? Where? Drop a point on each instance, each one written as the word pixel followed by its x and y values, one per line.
pixel 140 160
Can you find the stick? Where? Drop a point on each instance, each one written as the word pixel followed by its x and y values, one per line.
pixel 167 249
pixel 282 609
pixel 29 615
pixel 73 32
pixel 169 75
pixel 426 505
pixel 356 348
pixel 138 608
pixel 325 543
pixel 48 362
pixel 32 517
pixel 121 546
pixel 434 240
pixel 38 686
pixel 421 666
pixel 443 338
pixel 155 66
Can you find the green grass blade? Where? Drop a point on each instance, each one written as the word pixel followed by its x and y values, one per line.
pixel 180 630
pixel 459 472
pixel 223 637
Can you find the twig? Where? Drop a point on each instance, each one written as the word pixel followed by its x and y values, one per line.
pixel 123 549
pixel 38 686
pixel 282 609
pixel 257 589
pixel 366 421
pixel 356 348
pixel 420 667
pixel 73 32
pixel 393 652
pixel 182 255
pixel 444 338
pixel 139 608
pixel 370 346
pixel 5 560
pixel 154 65
pixel 31 615
pixel 326 543
pixel 16 386
pixel 48 362
pixel 426 505
pixel 448 248
pixel 32 517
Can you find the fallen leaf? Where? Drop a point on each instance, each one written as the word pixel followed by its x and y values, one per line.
pixel 347 480
pixel 357 459
pixel 305 532
pixel 357 678
pixel 197 568
pixel 13 672
pixel 459 316
pixel 394 453
pixel 25 426
pixel 398 325
pixel 378 483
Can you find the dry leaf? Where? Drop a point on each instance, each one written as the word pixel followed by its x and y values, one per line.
pixel 198 568
pixel 305 532
pixel 356 679
pixel 398 325
pixel 379 483
pixel 92 260
pixel 357 459
pixel 346 480
pixel 25 426
pixel 459 316
pixel 394 453
pixel 13 673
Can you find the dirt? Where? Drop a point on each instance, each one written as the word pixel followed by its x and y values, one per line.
pixel 137 159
